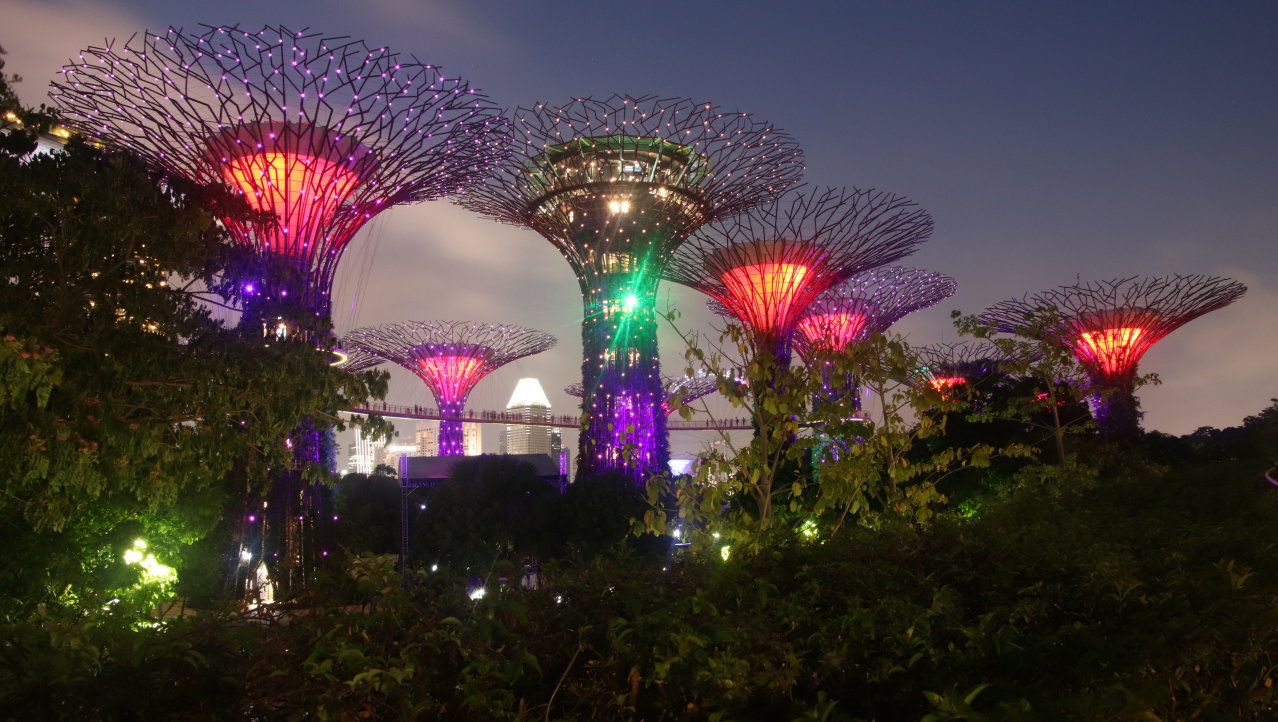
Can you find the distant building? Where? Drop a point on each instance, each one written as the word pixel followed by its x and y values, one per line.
pixel 426 438
pixel 363 455
pixel 392 453
pixel 529 404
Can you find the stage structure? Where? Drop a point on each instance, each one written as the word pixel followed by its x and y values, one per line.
pixel 1109 325
pixel 451 357
pixel 318 134
pixel 616 185
pixel 690 388
pixel 766 266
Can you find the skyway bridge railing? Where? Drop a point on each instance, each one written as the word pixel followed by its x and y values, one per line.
pixel 563 421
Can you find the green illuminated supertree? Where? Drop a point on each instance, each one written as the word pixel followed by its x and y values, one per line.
pixel 616 185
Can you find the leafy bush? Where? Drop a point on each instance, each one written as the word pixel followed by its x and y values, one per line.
pixel 1068 597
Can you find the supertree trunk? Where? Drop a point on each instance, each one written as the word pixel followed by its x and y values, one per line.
pixel 1115 408
pixel 625 430
pixel 451 436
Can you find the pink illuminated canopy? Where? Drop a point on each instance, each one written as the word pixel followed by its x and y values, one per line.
pixel 451 377
pixel 305 176
pixel 832 331
pixel 302 191
pixel 945 384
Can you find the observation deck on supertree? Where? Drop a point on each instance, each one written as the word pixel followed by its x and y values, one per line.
pixel 768 265
pixel 317 133
pixel 616 185
pixel 1109 325
pixel 451 357
pixel 867 303
pixel 689 388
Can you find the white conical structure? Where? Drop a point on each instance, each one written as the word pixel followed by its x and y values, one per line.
pixel 528 392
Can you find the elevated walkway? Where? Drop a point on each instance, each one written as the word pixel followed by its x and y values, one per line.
pixel 563 421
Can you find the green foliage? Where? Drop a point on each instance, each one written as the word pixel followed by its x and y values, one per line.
pixel 8 97
pixel 1070 597
pixel 127 410
pixel 368 512
pixel 491 508
pixel 817 465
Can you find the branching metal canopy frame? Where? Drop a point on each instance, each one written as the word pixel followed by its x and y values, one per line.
pixel 319 133
pixel 768 265
pixel 451 357
pixel 1109 325
pixel 616 185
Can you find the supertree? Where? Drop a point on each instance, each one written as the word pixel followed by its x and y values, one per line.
pixel 766 266
pixel 689 388
pixel 1109 325
pixel 944 366
pixel 318 134
pixel 451 357
pixel 867 303
pixel 616 185
pixel 352 360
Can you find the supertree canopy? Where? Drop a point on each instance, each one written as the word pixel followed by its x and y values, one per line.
pixel 689 388
pixel 451 357
pixel 1109 325
pixel 869 302
pixel 766 266
pixel 318 134
pixel 616 185
pixel 944 366
pixel 352 360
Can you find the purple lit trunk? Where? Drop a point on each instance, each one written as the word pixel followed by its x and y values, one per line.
pixel 624 424
pixel 451 435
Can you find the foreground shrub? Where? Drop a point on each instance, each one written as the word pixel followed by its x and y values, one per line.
pixel 1066 599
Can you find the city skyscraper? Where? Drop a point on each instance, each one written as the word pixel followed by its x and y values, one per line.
pixel 529 402
pixel 363 455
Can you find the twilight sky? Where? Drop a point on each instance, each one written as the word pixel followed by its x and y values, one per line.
pixel 1051 141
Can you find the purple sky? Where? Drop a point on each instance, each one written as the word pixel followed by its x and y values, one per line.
pixel 1050 141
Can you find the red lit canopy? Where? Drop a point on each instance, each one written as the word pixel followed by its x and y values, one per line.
pixel 451 371
pixel 302 175
pixel 1112 342
pixel 767 284
pixel 944 384
pixel 833 325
